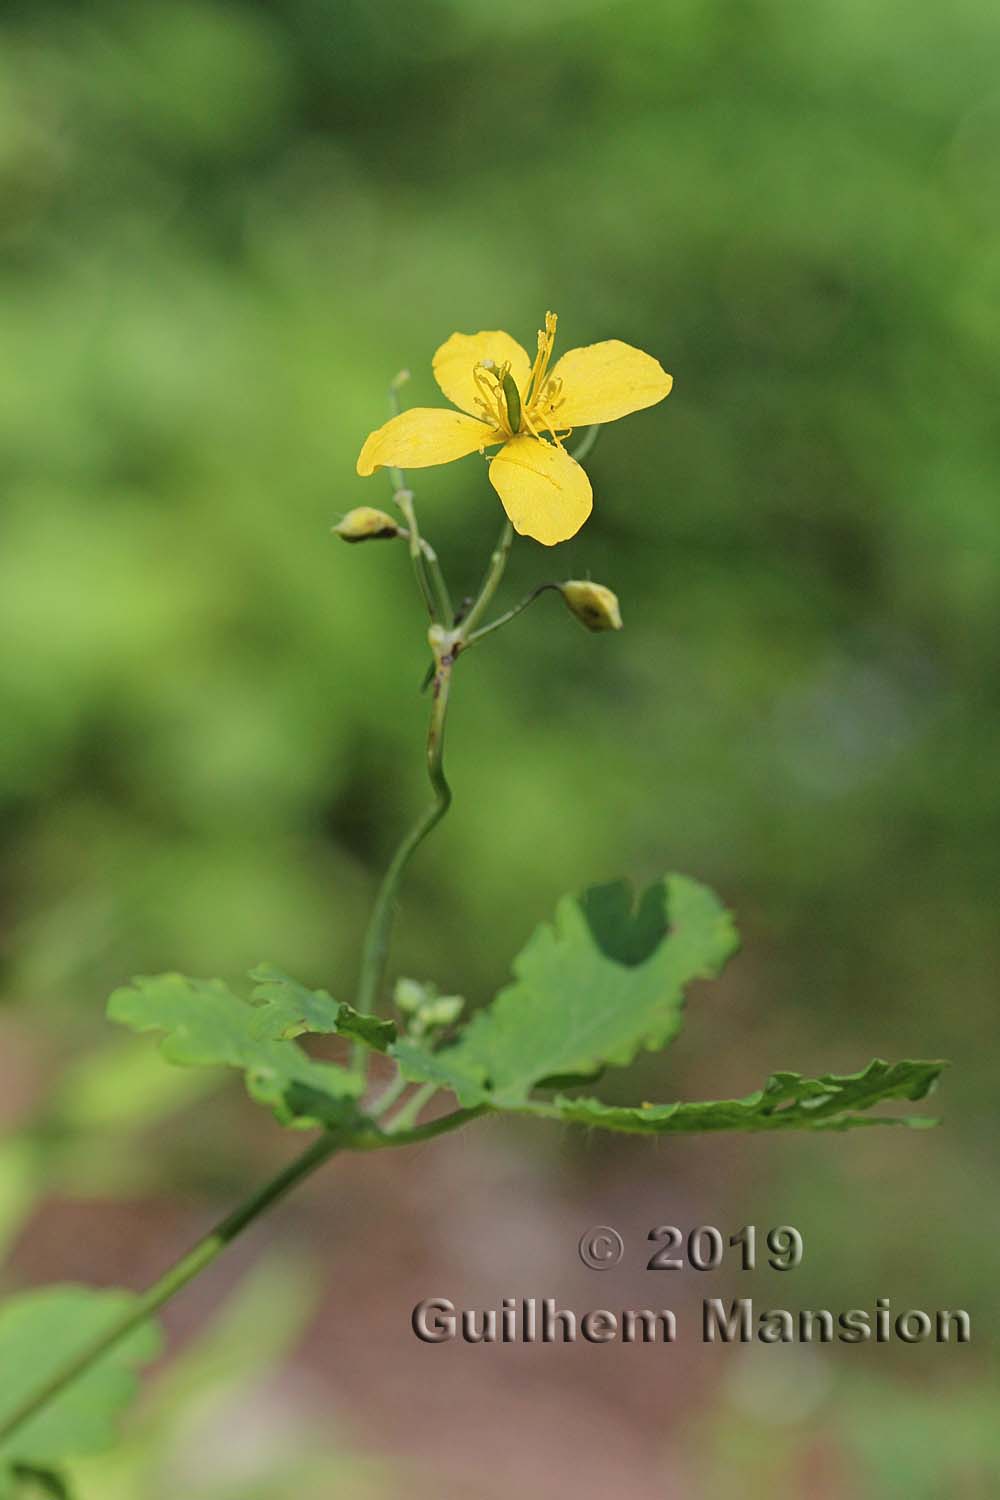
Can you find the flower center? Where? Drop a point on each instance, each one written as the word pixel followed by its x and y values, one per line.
pixel 499 401
pixel 535 409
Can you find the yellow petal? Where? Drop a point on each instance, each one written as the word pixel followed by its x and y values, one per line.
pixel 458 356
pixel 424 435
pixel 545 493
pixel 602 382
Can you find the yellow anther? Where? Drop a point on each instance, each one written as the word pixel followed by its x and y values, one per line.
pixel 535 390
pixel 499 398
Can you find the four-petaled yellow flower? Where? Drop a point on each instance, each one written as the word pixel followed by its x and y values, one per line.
pixel 529 409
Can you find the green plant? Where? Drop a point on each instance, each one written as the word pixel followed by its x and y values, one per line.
pixel 603 981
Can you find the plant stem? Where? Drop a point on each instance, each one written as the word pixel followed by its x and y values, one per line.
pixel 177 1277
pixel 413 1135
pixel 375 953
pixel 511 614
pixel 426 567
pixel 388 1097
pixel 447 613
pixel 409 1113
pixel 209 1248
pixel 434 570
pixel 491 582
pixel 427 571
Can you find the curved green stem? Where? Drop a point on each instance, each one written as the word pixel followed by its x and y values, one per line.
pixel 413 1135
pixel 375 953
pixel 511 614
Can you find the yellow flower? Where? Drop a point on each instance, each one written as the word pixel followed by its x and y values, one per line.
pixel 505 398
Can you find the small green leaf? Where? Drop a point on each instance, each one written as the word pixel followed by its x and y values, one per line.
pixel 287 1009
pixel 206 1025
pixel 786 1102
pixel 39 1333
pixel 601 983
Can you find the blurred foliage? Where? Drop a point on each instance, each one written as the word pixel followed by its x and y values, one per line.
pixel 224 226
pixel 783 1428
pixel 182 1440
pixel 40 1333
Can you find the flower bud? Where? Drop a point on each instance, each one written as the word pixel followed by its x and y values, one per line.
pixel 443 1011
pixel 367 525
pixel 427 1010
pixel 594 605
pixel 410 995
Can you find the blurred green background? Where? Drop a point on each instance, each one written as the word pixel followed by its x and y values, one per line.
pixel 223 229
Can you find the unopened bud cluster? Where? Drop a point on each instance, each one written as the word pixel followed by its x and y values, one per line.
pixel 425 1009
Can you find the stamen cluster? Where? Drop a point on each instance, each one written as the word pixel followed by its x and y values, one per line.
pixel 531 410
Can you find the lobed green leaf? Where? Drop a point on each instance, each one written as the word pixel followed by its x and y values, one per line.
pixel 40 1331
pixel 605 980
pixel 287 1009
pixel 206 1025
pixel 786 1102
